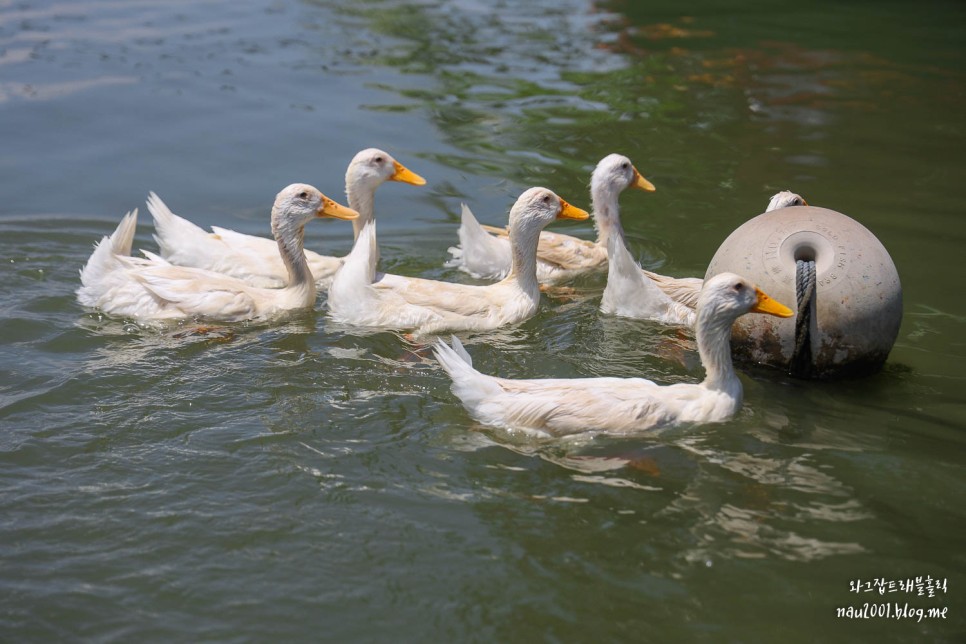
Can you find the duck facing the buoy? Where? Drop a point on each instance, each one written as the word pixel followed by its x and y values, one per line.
pixel 558 407
pixel 845 284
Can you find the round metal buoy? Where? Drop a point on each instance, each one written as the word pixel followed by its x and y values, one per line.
pixel 837 277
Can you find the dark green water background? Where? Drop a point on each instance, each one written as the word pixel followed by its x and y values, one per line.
pixel 303 482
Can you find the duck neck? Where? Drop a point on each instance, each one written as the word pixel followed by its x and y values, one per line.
pixel 291 247
pixel 361 198
pixel 523 254
pixel 607 219
pixel 714 347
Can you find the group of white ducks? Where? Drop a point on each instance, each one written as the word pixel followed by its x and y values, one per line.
pixel 227 276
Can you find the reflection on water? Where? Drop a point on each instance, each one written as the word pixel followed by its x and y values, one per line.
pixel 774 518
pixel 493 101
pixel 736 504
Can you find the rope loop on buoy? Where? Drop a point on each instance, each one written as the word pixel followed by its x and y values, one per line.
pixel 801 363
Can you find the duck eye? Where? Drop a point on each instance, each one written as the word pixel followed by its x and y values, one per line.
pixel 303 195
pixel 738 287
pixel 625 165
pixel 546 199
pixel 379 159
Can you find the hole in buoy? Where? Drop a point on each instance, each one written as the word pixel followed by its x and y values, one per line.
pixel 804 254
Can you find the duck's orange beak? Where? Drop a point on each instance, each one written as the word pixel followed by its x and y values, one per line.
pixel 332 209
pixel 641 183
pixel 767 305
pixel 406 175
pixel 571 212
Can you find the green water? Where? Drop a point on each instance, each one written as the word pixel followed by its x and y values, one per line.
pixel 305 482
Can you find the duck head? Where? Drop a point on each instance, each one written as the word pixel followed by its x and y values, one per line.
pixel 372 167
pixel 299 203
pixel 727 296
pixel 537 207
pixel 615 173
pixel 785 199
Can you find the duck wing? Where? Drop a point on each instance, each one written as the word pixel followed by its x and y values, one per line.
pixel 684 290
pixel 201 293
pixel 481 252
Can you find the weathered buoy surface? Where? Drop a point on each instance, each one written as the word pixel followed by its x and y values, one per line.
pixel 851 320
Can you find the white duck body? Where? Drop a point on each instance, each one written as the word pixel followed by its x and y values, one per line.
pixel 558 407
pixel 360 297
pixel 152 288
pixel 484 250
pixel 629 293
pixel 255 259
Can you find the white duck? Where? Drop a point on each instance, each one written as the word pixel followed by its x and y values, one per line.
pixel 559 257
pixel 634 292
pixel 255 259
pixel 359 296
pixel 785 199
pixel 558 407
pixel 630 293
pixel 153 289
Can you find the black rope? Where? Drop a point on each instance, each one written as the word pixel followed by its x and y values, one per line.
pixel 801 364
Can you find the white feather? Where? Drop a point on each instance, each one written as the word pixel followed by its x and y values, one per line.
pixel 558 407
pixel 484 251
pixel 482 255
pixel 151 288
pixel 254 259
pixel 361 297
pixel 630 293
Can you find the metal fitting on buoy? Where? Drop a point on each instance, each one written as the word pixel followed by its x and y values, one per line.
pixel 855 303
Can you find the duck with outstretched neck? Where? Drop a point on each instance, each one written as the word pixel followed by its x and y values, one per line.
pixel 255 259
pixel 559 407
